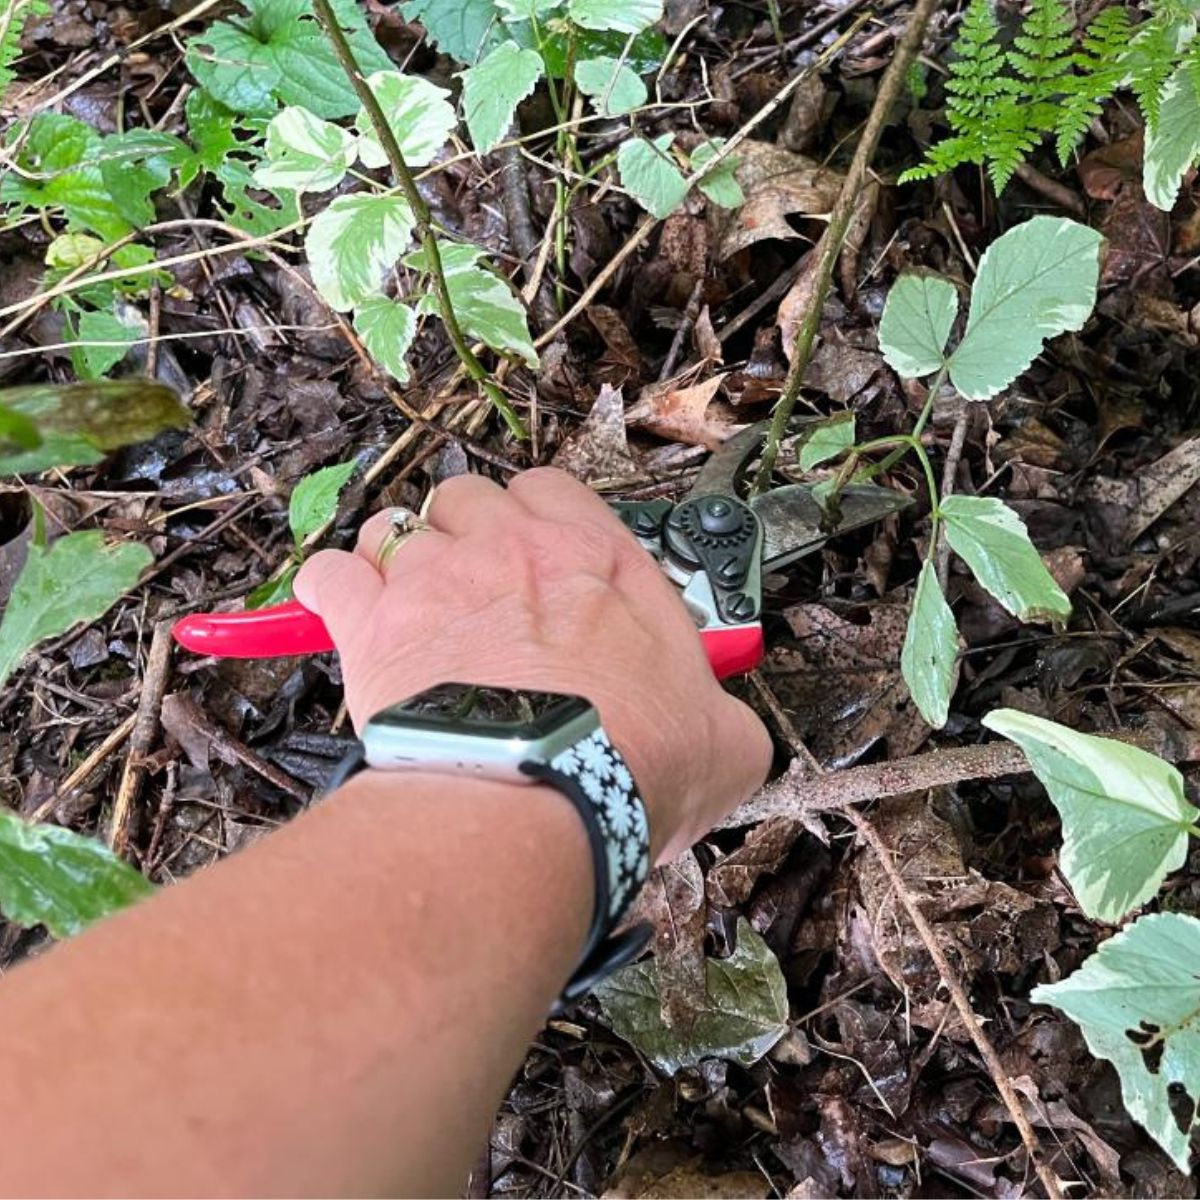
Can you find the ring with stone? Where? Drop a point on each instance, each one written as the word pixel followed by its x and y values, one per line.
pixel 403 523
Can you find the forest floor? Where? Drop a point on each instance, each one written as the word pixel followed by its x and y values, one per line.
pixel 877 1087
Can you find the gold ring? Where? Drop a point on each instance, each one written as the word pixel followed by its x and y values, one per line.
pixel 403 523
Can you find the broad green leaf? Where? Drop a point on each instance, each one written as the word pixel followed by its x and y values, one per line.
pixel 353 242
pixel 315 499
pixel 744 1011
pixel 929 660
pixel 235 68
pixel 136 164
pixel 614 88
pixel 17 432
pixel 77 579
pixel 493 89
pixel 1173 141
pixel 650 176
pixel 1124 815
pixel 305 153
pixel 78 422
pixel 1137 1003
pixel 59 168
pixel 720 185
pixel 827 440
pixel 642 55
pixel 103 339
pixel 484 304
pixel 463 29
pixel 211 132
pixel 916 322
pixel 615 16
pixel 387 329
pixel 53 877
pixel 420 117
pixel 1035 282
pixel 994 543
pixel 273 591
pixel 71 250
pixel 526 10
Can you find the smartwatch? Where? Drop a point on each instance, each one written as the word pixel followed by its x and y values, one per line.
pixel 530 737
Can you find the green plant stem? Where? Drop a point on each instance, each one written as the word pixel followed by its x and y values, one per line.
pixel 421 214
pixel 869 473
pixel 890 88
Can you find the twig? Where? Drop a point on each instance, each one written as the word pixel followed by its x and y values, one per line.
pixel 949 473
pixel 796 793
pixel 950 979
pixel 1057 193
pixel 830 246
pixel 145 730
pixel 514 191
pixel 690 312
pixel 421 214
pixel 643 231
pixel 86 769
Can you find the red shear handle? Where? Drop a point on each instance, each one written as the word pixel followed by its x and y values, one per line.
pixel 291 629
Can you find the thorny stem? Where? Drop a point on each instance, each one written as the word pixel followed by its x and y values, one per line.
pixel 424 220
pixel 890 87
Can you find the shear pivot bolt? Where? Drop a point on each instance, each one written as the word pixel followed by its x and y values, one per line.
pixel 741 606
pixel 719 516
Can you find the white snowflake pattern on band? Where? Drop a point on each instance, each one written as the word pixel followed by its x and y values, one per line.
pixel 596 765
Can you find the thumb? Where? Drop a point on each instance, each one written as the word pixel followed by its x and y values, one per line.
pixel 343 590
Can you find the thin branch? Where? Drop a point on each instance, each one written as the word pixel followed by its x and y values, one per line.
pixel 421 214
pixel 949 473
pixel 830 247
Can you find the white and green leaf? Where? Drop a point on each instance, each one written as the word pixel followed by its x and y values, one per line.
pixel 916 322
pixel 1137 1003
pixel 613 87
pixel 78 578
pixel 387 329
pixel 314 499
pixel 929 659
pixel 1125 817
pixel 1173 141
pixel 615 16
pixel 993 541
pixel 305 153
pixel 418 112
pixel 649 174
pixel 492 90
pixel 50 876
pixel 720 184
pixel 1034 282
pixel 353 242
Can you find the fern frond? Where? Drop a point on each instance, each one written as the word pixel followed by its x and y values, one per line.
pixel 1152 59
pixel 13 17
pixel 1101 63
pixel 976 70
pixel 948 154
pixel 1042 52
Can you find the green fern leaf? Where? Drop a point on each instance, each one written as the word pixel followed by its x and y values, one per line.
pixel 1152 59
pixel 14 14
pixel 1042 51
pixel 1100 62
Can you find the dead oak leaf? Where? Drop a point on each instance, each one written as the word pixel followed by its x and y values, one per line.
pixel 684 414
pixel 598 449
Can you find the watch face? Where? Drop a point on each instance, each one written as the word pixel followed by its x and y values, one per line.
pixel 484 711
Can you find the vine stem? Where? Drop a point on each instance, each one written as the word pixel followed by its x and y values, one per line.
pixel 835 234
pixel 421 214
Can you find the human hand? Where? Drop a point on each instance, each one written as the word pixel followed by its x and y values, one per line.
pixel 539 586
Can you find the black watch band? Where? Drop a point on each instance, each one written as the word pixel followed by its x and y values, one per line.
pixel 593 776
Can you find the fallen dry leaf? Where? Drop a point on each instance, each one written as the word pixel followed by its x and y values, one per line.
pixel 598 449
pixel 777 184
pixel 673 1171
pixel 731 881
pixel 684 414
pixel 1148 493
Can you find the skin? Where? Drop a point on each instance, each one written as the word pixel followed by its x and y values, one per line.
pixel 338 1009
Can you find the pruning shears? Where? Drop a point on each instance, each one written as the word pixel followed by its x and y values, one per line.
pixel 713 545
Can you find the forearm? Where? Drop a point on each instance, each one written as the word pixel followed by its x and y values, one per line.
pixel 363 979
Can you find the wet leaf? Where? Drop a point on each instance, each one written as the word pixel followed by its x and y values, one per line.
pixel 492 90
pixel 930 655
pixel 484 304
pixel 315 499
pixel 53 877
pixel 916 322
pixel 1125 818
pixel 78 422
pixel 420 116
pixel 77 579
pixel 387 329
pixel 613 86
pixel 1034 282
pixel 743 1014
pixel 305 153
pixel 827 440
pixel 1137 1002
pixel 994 543
pixel 649 174
pixel 353 242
